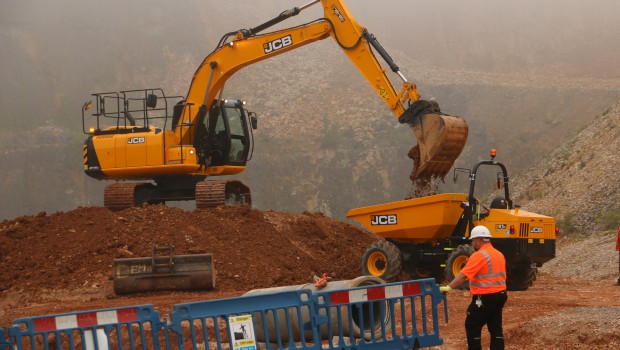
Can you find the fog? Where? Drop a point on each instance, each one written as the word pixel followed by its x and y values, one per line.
pixel 74 45
pixel 55 53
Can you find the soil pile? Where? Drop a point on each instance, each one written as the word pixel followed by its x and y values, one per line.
pixel 251 249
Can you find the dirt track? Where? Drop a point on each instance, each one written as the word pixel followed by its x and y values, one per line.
pixel 553 314
pixel 62 263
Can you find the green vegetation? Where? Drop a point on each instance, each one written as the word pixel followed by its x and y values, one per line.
pixel 567 224
pixel 534 193
pixel 608 219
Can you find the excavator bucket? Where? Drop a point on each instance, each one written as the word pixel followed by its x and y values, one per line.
pixel 163 272
pixel 441 138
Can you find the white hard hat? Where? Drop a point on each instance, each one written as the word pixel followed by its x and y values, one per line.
pixel 480 232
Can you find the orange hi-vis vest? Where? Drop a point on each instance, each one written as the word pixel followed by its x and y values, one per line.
pixel 486 271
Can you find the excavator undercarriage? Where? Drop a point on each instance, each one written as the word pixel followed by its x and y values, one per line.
pixel 206 193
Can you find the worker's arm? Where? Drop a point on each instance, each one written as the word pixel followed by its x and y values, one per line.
pixel 473 265
pixel 457 281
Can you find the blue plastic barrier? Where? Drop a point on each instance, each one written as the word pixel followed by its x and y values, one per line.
pixel 389 316
pixel 5 344
pixel 401 315
pixel 244 321
pixel 131 327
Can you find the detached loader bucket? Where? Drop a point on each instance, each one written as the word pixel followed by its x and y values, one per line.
pixel 441 138
pixel 164 272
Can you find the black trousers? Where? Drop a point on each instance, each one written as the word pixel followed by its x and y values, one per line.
pixel 489 313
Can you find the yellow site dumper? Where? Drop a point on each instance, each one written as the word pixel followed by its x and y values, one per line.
pixel 428 236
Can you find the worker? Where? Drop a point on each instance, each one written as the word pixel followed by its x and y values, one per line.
pixel 486 271
pixel 618 250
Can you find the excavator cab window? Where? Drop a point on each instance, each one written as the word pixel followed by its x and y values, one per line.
pixel 238 135
pixel 227 134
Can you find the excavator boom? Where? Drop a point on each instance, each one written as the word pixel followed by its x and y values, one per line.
pixel 440 138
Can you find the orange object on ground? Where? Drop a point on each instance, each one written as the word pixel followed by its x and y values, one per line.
pixel 322 282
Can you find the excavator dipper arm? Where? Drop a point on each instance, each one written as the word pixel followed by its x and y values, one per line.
pixel 440 137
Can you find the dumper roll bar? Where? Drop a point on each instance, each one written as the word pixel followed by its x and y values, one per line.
pixel 472 203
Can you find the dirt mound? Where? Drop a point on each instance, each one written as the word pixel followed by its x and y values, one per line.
pixel 251 248
pixel 574 328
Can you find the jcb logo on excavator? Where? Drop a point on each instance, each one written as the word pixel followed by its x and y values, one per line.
pixel 383 219
pixel 338 14
pixel 278 44
pixel 133 140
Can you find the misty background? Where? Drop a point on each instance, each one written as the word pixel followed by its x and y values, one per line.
pixel 526 76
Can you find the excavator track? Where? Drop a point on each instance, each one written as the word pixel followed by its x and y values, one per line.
pixel 441 138
pixel 213 193
pixel 120 196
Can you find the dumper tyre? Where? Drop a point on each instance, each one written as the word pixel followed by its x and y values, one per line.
pixel 429 272
pixel 382 259
pixel 456 262
pixel 520 279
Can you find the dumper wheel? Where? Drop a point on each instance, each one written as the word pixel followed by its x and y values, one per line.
pixel 382 259
pixel 520 278
pixel 430 272
pixel 456 262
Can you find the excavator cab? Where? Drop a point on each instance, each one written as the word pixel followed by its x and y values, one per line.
pixel 228 128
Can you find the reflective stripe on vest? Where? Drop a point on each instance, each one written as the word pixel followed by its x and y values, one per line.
pixel 490 274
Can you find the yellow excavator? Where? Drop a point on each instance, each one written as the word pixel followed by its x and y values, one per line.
pixel 175 143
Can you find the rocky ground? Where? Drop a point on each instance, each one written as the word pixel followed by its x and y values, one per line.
pixel 63 262
pixel 579 182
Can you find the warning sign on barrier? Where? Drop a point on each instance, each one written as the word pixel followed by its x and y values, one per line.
pixel 242 332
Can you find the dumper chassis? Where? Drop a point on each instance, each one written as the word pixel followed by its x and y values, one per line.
pixel 428 236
